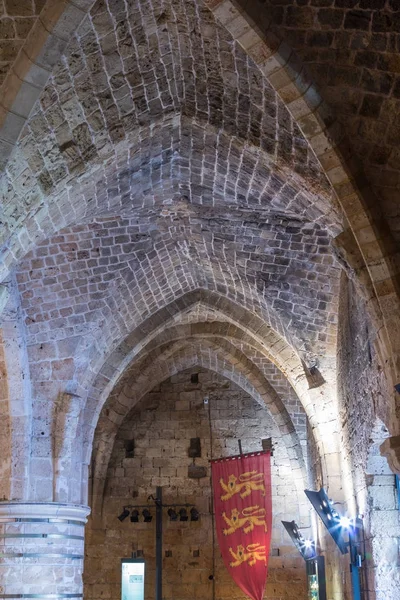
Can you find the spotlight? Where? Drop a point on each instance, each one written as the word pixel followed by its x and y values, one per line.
pixel 194 514
pixel 310 550
pixel 135 516
pixel 305 547
pixel 183 516
pixel 345 522
pixel 328 515
pixel 123 515
pixel 173 515
pixel 147 516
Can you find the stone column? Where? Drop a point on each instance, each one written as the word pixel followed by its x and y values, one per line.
pixel 41 550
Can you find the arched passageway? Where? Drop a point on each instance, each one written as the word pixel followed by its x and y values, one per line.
pixel 210 185
pixel 150 449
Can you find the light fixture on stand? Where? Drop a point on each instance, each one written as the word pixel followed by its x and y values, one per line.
pixel 173 514
pixel 341 527
pixel 125 513
pixel 194 514
pixel 183 516
pixel 135 516
pixel 315 565
pixel 306 547
pixel 147 516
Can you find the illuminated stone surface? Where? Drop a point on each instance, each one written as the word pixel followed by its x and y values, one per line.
pixel 209 186
pixel 42 549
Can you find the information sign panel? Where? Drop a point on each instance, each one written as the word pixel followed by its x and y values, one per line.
pixel 132 580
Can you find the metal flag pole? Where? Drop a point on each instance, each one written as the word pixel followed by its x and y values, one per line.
pixel 159 544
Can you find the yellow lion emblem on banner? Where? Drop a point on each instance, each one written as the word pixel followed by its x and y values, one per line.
pixel 251 555
pixel 251 517
pixel 248 482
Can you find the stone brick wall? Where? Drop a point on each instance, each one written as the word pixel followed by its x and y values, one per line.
pixel 363 390
pixel 351 49
pixel 17 18
pixel 15 401
pixel 161 426
pixel 104 91
pixel 364 409
pixel 83 289
pixel 5 450
pixel 382 578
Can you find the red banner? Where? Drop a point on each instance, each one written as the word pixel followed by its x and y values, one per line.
pixel 243 518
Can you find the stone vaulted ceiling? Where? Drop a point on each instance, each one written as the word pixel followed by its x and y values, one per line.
pixel 154 117
pixel 159 168
pixel 159 160
pixel 124 73
pixel 17 18
pixel 197 185
pixel 157 120
pixel 351 48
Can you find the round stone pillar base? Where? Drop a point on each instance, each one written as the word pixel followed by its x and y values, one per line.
pixel 41 550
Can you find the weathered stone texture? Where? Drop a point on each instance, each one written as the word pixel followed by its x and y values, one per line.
pixel 351 49
pixel 164 212
pixel 70 280
pixel 5 467
pixel 161 426
pixel 156 63
pixel 362 384
pixel 17 18
pixel 363 412
pixel 42 548
pixel 72 285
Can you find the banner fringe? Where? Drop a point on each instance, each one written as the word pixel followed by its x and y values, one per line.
pixel 239 456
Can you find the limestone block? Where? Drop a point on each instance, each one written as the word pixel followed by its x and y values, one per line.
pixel 385 523
pixel 383 497
pixel 391 449
pixel 4 295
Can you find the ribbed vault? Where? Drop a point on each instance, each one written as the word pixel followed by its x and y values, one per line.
pixel 169 359
pixel 112 88
pixel 177 193
pixel 207 321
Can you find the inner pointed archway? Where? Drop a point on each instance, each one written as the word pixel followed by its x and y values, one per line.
pixel 151 448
